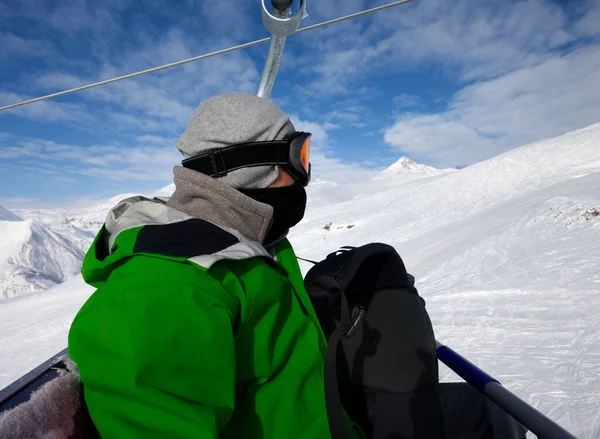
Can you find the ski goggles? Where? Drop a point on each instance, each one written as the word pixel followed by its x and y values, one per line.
pixel 292 153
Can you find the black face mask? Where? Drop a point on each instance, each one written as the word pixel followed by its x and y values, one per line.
pixel 289 204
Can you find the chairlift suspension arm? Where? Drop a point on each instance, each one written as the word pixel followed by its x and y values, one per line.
pixel 273 61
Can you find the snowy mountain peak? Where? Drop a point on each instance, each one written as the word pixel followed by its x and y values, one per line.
pixel 408 170
pixel 407 165
pixel 6 215
pixel 404 163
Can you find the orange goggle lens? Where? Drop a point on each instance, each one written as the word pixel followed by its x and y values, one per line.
pixel 305 154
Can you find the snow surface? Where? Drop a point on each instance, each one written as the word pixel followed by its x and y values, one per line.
pixel 505 253
pixel 34 327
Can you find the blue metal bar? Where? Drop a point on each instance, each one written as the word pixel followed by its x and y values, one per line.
pixel 465 369
pixel 536 422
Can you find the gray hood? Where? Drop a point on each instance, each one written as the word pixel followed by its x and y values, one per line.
pixel 208 199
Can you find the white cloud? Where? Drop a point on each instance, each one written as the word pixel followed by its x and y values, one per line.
pixel 471 40
pixel 346 117
pixel 66 16
pixel 125 122
pixel 335 170
pixel 76 15
pixel 162 101
pixel 14 46
pixel 328 9
pixel 46 111
pixel 588 24
pixel 145 162
pixel 148 139
pixel 407 100
pixel 440 138
pixel 491 116
pixel 480 40
pixel 54 81
pixel 136 95
pixel 324 165
pixel 21 203
pixel 159 174
pixel 228 17
pixel 320 131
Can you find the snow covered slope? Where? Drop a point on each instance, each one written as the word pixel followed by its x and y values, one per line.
pixel 506 256
pixel 505 253
pixel 6 215
pixel 33 258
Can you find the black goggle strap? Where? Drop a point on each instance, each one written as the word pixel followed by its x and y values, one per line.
pixel 219 162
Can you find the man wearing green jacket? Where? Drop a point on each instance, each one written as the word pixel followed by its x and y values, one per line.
pixel 200 326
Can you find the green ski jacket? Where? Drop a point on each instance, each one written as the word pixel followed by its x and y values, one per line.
pixel 196 332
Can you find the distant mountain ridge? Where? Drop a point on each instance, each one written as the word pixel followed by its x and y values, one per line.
pixel 33 258
pixel 7 215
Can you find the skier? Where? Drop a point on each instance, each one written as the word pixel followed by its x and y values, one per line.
pixel 200 325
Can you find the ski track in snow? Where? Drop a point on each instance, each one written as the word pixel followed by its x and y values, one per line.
pixel 505 253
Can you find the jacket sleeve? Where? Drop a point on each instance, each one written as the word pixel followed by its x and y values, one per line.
pixel 157 360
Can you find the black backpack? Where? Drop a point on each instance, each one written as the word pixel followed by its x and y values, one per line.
pixel 381 364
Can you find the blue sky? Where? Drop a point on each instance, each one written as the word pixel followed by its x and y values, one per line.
pixel 445 83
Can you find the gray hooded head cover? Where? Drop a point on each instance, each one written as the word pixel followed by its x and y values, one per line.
pixel 232 118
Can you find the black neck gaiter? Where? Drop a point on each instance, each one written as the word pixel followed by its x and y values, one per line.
pixel 289 205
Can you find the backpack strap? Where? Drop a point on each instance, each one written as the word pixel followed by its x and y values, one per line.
pixel 335 408
pixel 333 403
